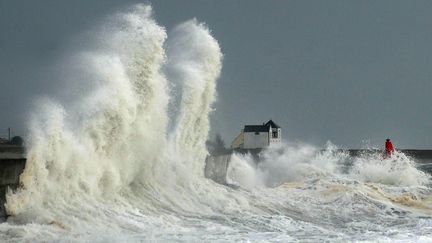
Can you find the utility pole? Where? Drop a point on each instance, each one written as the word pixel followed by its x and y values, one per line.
pixel 9 133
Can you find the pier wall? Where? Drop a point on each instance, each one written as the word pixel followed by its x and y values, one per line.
pixel 12 164
pixel 217 164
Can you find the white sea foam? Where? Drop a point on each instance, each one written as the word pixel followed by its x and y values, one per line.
pixel 302 162
pixel 398 170
pixel 114 139
pixel 124 160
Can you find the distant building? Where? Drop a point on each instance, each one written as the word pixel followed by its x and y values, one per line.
pixel 258 136
pixel 17 140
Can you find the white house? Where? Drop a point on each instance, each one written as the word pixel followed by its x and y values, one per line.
pixel 258 136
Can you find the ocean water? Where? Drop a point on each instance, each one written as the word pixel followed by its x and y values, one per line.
pixel 122 160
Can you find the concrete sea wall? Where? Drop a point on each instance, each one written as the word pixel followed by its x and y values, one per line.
pixel 217 164
pixel 12 164
pixel 216 167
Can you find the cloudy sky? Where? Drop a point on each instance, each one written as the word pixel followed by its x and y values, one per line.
pixel 340 71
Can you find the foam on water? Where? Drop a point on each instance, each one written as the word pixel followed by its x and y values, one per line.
pixel 124 161
pixel 342 197
pixel 299 162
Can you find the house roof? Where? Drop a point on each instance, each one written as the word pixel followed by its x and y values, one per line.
pixel 261 128
pixel 256 128
pixel 272 124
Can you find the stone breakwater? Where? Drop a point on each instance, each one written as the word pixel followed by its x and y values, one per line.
pixel 12 164
pixel 218 164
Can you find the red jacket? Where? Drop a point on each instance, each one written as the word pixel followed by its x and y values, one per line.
pixel 389 147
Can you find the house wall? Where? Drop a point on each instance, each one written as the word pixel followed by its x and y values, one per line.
pixel 238 141
pixel 278 139
pixel 252 140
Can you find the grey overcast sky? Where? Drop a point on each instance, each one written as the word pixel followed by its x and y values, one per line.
pixel 344 71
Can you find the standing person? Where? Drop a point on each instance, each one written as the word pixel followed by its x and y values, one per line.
pixel 388 148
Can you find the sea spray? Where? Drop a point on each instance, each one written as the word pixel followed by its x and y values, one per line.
pixel 194 63
pixel 398 170
pixel 242 171
pixel 116 135
pixel 297 162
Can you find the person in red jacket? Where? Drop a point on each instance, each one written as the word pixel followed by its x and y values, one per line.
pixel 388 148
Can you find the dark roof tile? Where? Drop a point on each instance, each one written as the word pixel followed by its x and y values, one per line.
pixel 272 124
pixel 256 128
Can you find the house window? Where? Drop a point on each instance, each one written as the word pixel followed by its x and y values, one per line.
pixel 275 134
